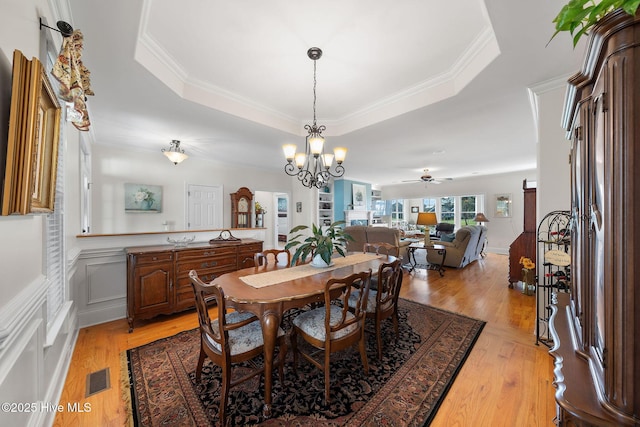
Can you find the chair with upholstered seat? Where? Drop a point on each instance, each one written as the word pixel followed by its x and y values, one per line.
pixel 229 339
pixel 272 256
pixel 382 302
pixel 381 248
pixel 334 327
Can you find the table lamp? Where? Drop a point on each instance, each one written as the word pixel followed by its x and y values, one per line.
pixel 427 219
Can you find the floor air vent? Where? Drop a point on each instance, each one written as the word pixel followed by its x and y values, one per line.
pixel 98 381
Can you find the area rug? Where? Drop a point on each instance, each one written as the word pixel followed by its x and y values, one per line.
pixel 404 388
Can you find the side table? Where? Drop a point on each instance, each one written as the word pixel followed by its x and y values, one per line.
pixel 441 250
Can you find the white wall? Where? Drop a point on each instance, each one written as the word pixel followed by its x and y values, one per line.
pixel 113 167
pixel 554 172
pixel 501 231
pixel 33 361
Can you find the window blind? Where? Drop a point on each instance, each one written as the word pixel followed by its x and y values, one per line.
pixel 54 256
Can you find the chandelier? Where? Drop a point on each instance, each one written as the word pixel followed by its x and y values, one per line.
pixel 174 153
pixel 313 166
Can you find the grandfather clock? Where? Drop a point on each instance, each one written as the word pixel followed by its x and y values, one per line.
pixel 241 202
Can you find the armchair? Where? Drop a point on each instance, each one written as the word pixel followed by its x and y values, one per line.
pixel 464 249
pixel 443 228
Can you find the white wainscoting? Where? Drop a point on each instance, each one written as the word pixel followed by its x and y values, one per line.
pixel 32 372
pixel 100 284
pixel 99 281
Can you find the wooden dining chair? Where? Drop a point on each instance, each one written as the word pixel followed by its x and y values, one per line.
pixel 333 327
pixel 381 248
pixel 272 256
pixel 229 339
pixel 382 302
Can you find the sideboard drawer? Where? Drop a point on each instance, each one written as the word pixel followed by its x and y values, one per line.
pixel 204 253
pixel 153 257
pixel 222 262
pixel 248 251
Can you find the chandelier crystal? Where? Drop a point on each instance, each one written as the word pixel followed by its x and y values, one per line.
pixel 313 167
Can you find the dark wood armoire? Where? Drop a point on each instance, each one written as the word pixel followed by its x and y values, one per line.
pixel 525 243
pixel 596 326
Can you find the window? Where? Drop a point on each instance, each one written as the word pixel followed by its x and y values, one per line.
pixel 458 210
pixel 54 258
pixel 468 209
pixel 447 209
pixel 429 205
pixel 397 213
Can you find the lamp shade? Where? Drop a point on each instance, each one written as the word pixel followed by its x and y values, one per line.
pixel 480 217
pixel 175 156
pixel 427 218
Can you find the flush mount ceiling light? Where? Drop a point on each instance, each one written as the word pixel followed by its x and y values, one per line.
pixel 313 165
pixel 174 152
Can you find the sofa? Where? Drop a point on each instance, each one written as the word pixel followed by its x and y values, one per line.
pixel 364 234
pixel 465 248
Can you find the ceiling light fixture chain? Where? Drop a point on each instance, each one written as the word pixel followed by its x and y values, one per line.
pixel 313 165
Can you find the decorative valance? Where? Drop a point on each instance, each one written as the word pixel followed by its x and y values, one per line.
pixel 74 78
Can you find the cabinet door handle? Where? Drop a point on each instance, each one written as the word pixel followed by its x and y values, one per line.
pixel 208 264
pixel 170 284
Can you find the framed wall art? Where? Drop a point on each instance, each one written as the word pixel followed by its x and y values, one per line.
pixel 142 198
pixel 503 206
pixel 32 144
pixel 415 209
pixel 359 197
pixel 45 146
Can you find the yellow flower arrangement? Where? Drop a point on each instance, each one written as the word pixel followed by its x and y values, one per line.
pixel 527 263
pixel 528 275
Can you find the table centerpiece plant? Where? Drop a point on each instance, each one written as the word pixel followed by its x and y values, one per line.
pixel 320 245
pixel 578 16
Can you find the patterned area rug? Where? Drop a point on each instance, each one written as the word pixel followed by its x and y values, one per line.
pixel 405 388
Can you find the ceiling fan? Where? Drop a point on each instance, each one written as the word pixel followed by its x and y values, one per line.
pixel 426 177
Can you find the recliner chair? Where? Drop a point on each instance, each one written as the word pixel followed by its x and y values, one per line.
pixel 443 228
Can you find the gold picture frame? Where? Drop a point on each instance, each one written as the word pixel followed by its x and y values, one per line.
pixel 32 146
pixel 503 205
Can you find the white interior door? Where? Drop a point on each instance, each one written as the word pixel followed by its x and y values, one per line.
pixel 204 207
pixel 282 225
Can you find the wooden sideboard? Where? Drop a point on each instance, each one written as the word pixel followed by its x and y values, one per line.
pixel 525 243
pixel 158 276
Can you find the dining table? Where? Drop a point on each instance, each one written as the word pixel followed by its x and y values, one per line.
pixel 270 291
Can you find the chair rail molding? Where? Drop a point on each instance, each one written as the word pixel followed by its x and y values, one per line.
pixel 18 309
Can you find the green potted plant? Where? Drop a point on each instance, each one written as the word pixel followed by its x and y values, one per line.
pixel 578 16
pixel 321 244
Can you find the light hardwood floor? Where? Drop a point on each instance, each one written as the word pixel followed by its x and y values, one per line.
pixel 506 380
